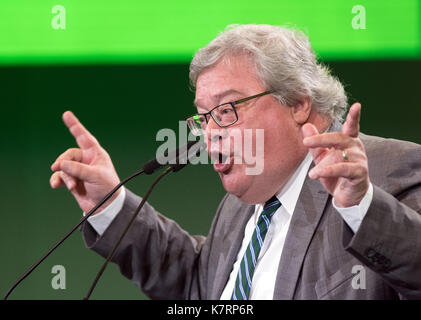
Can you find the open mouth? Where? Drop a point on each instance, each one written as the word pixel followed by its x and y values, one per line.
pixel 219 157
pixel 221 162
pixel 222 158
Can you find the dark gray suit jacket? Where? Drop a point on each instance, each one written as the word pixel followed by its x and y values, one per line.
pixel 320 251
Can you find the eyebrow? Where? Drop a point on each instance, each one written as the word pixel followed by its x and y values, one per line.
pixel 220 96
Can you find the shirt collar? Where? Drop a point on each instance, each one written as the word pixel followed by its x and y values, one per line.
pixel 288 195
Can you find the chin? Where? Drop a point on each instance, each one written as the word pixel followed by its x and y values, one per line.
pixel 237 185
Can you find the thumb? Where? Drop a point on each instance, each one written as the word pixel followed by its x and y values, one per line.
pixel 352 123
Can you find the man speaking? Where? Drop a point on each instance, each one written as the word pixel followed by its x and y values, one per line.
pixel 329 202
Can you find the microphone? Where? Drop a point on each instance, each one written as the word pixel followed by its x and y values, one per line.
pixel 181 160
pixel 176 156
pixel 193 151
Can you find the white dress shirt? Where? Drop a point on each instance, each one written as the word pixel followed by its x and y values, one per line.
pixel 263 283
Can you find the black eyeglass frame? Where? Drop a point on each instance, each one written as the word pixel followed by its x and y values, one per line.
pixel 209 114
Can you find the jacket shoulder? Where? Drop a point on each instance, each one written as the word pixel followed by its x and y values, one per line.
pixel 393 164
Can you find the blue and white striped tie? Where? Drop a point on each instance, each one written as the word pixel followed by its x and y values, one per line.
pixel 249 261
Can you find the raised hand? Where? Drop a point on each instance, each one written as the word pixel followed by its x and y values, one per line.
pixel 87 171
pixel 340 158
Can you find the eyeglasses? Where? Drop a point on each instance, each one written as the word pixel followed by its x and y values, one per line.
pixel 224 115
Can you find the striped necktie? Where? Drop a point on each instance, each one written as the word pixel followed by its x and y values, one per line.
pixel 248 263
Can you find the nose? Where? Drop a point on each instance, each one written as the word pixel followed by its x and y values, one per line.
pixel 217 140
pixel 213 131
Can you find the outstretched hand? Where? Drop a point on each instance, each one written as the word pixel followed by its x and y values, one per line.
pixel 340 160
pixel 87 171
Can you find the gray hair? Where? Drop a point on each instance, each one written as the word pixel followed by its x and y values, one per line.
pixel 284 61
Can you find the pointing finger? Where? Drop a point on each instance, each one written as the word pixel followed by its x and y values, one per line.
pixel 351 126
pixel 83 137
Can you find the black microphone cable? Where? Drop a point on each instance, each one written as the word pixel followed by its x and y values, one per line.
pixel 111 254
pixel 148 168
pixel 32 268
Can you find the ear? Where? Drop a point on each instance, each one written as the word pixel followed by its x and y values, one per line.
pixel 301 111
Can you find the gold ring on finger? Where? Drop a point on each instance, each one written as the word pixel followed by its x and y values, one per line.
pixel 344 155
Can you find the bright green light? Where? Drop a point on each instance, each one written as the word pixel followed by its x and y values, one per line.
pixel 130 31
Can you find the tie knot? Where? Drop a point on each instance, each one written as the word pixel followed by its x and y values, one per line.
pixel 272 203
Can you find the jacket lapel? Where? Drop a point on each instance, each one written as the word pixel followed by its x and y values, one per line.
pixel 304 221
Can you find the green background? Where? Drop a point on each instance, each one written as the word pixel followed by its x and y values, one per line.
pixel 126 97
pixel 168 30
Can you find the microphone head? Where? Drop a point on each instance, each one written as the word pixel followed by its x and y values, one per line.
pixel 177 158
pixel 151 166
pixel 193 151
